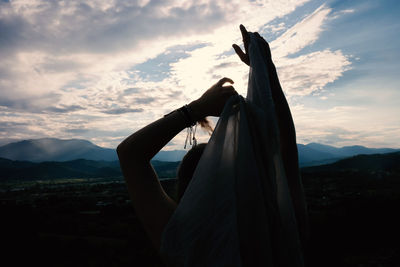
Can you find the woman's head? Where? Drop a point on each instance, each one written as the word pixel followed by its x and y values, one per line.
pixel 187 167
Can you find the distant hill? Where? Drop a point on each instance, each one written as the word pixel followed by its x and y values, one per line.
pixel 309 155
pixel 317 154
pixel 389 162
pixel 25 170
pixel 52 149
pixel 171 155
pixel 382 164
pixel 11 170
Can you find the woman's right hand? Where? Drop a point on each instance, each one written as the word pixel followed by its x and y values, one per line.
pixel 244 56
pixel 212 102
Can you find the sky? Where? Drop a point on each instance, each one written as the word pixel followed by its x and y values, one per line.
pixel 102 69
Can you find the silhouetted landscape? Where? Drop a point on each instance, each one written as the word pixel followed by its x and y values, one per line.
pixel 351 205
pixel 78 212
pixel 13 171
pixel 79 79
pixel 53 149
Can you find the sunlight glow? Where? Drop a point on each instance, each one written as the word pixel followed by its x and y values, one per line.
pixel 73 68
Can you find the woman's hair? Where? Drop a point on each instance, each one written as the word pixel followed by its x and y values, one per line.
pixel 187 167
pixel 206 126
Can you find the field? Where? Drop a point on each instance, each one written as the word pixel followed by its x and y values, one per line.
pixel 91 222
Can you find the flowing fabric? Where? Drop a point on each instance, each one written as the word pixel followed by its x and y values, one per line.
pixel 237 209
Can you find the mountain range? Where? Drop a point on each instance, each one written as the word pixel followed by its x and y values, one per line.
pixel 52 149
pixel 376 166
pixel 317 154
pixel 388 163
pixel 12 170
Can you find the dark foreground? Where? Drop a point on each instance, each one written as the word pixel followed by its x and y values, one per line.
pixel 353 219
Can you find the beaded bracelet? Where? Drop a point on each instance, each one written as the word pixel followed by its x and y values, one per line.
pixel 187 115
pixel 190 121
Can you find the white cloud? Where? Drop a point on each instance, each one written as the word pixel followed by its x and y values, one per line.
pixel 276 28
pixel 69 63
pixel 365 124
pixel 342 12
pixel 311 72
pixel 303 34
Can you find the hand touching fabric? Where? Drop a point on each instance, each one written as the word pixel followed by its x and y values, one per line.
pixel 244 55
pixel 212 102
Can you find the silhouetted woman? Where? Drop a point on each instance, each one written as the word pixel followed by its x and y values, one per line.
pixel 152 205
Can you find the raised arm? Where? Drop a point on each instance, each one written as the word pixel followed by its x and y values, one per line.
pixel 287 135
pixel 289 150
pixel 151 203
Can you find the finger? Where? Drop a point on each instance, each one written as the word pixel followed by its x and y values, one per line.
pixel 224 80
pixel 245 36
pixel 230 93
pixel 243 57
pixel 228 88
pixel 239 52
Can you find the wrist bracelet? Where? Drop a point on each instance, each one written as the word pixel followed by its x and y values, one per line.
pixel 187 115
pixel 190 121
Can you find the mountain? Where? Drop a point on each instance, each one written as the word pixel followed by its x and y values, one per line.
pixel 11 170
pixel 81 168
pixel 52 149
pixel 309 155
pixel 317 154
pixel 347 151
pixel 172 155
pixel 388 163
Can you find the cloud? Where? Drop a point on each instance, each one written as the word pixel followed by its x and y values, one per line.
pixel 144 100
pixel 336 136
pixel 53 43
pixel 62 27
pixel 226 65
pixel 303 34
pixel 300 73
pixel 311 72
pixel 276 28
pixel 65 108
pixel 34 104
pixel 342 12
pixel 304 74
pixel 343 125
pixel 69 61
pixel 75 131
pixel 10 125
pixel 131 91
pixel 118 111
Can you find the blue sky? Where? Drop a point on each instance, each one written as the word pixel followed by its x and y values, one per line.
pixel 100 70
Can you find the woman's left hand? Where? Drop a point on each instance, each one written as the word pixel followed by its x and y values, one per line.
pixel 212 102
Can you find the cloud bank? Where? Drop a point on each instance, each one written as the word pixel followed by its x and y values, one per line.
pixel 100 70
